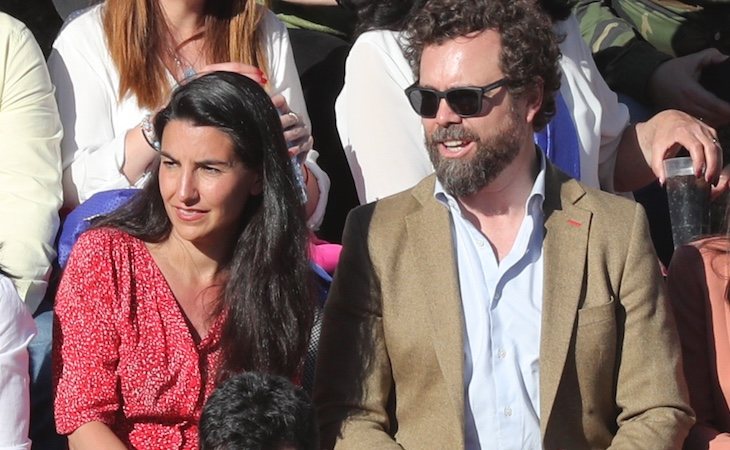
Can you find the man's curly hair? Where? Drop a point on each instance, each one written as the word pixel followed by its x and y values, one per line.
pixel 529 47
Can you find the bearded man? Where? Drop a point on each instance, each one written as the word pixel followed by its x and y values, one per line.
pixel 499 304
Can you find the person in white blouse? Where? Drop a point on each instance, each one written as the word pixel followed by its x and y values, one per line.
pixel 109 79
pixel 383 138
pixel 16 330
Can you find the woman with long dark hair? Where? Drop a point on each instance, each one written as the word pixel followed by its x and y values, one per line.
pixel 202 275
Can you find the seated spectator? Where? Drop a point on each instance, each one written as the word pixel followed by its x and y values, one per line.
pixel 383 139
pixel 698 280
pixel 252 411
pixel 202 275
pixel 16 331
pixel 110 77
pixel 30 196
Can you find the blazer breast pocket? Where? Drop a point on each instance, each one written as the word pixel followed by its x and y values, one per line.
pixel 594 315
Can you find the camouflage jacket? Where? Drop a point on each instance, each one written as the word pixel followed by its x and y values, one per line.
pixel 631 38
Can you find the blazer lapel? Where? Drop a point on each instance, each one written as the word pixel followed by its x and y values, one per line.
pixel 429 230
pixel 565 249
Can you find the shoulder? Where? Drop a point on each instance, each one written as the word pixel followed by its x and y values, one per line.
pixel 272 28
pixel 104 243
pixel 385 43
pixel 83 30
pixel 389 214
pixel 11 27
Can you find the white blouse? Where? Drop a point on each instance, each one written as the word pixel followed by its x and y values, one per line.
pixel 95 121
pixel 383 137
pixel 16 330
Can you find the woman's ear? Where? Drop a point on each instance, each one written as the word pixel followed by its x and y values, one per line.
pixel 258 185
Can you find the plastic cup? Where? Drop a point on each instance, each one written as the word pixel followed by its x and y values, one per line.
pixel 688 198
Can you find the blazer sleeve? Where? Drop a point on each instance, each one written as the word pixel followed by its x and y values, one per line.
pixel 688 292
pixel 651 394
pixel 354 378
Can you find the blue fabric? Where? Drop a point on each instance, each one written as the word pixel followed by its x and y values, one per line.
pixel 559 140
pixel 80 218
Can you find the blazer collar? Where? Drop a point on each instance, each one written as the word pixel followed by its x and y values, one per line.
pixel 564 252
pixel 429 230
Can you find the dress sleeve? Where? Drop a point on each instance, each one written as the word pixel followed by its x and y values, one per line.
pixel 381 135
pixel 86 340
pixel 688 292
pixel 92 150
pixel 30 175
pixel 16 330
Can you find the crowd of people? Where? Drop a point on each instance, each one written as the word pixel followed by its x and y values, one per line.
pixel 317 224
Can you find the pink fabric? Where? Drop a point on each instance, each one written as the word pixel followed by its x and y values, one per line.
pixel 698 281
pixel 124 354
pixel 324 254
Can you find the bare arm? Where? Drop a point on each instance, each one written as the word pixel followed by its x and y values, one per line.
pixel 94 435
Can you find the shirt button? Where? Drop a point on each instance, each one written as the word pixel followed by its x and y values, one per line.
pixel 480 243
pixel 507 411
pixel 501 354
pixel 497 296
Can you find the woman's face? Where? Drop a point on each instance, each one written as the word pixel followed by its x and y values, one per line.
pixel 203 184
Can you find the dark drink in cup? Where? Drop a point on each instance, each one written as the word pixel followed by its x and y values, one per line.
pixel 688 197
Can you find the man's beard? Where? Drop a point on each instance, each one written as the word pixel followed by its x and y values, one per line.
pixel 462 177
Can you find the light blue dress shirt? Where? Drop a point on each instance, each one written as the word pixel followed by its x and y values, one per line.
pixel 502 304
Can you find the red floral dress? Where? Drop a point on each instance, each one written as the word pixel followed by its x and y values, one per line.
pixel 124 353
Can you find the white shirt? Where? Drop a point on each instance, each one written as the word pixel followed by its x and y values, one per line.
pixel 30 162
pixel 95 121
pixel 383 137
pixel 502 304
pixel 16 330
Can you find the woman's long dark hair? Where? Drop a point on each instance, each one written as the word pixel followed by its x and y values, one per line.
pixel 266 298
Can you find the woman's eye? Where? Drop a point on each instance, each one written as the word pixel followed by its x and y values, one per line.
pixel 168 163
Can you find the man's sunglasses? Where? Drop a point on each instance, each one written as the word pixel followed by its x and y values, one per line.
pixel 464 101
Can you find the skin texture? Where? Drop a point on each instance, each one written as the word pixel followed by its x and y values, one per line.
pixel 204 184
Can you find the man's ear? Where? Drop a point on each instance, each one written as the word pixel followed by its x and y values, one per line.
pixel 533 100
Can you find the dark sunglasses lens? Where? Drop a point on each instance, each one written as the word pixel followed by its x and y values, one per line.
pixel 465 102
pixel 425 103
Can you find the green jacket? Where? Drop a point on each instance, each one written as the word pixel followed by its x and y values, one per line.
pixel 631 38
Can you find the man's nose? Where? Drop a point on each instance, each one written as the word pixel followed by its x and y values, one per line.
pixel 446 116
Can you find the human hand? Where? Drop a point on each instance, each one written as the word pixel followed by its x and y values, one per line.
pixel 722 185
pixel 298 138
pixel 248 70
pixel 668 131
pixel 675 84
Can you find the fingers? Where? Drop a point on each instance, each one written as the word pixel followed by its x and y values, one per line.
pixel 710 56
pixel 669 131
pixel 248 70
pixel 722 184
